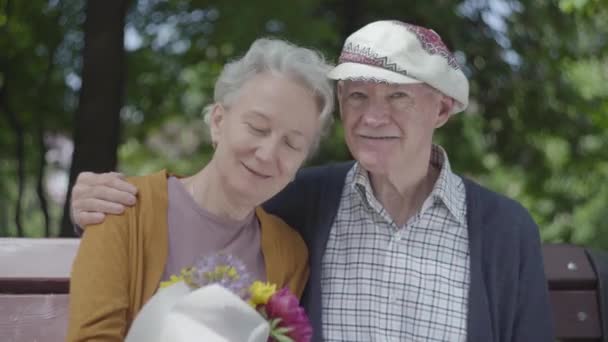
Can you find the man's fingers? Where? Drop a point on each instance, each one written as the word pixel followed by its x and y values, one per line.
pixel 111 179
pixel 83 192
pixel 85 218
pixel 86 178
pixel 118 174
pixel 118 182
pixel 111 195
pixel 96 205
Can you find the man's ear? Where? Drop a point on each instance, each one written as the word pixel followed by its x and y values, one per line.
pixel 339 93
pixel 445 110
pixel 216 120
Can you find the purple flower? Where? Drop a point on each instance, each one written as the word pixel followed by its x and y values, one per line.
pixel 284 305
pixel 225 270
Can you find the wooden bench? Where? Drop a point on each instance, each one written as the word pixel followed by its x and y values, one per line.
pixel 577 279
pixel 34 287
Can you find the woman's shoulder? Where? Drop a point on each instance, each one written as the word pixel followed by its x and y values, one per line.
pixel 150 183
pixel 275 229
pixel 152 191
pixel 150 188
pixel 275 225
pixel 284 251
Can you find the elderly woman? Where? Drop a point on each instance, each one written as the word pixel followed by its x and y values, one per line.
pixel 270 107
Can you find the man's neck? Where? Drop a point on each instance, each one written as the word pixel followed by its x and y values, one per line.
pixel 403 195
pixel 207 189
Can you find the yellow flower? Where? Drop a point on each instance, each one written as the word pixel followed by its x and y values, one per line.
pixel 184 276
pixel 172 280
pixel 261 293
pixel 221 272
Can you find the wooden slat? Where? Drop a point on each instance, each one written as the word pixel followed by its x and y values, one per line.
pixel 36 266
pixel 576 314
pixel 568 268
pixel 34 286
pixel 27 318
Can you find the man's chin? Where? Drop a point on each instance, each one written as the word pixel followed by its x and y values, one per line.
pixel 373 164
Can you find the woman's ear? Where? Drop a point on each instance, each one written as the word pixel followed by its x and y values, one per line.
pixel 216 120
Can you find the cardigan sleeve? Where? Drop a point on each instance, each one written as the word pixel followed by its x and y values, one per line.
pixel 99 295
pixel 533 318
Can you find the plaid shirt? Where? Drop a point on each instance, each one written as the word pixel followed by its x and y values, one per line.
pixel 381 282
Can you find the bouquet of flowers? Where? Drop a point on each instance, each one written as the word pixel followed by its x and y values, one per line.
pixel 216 300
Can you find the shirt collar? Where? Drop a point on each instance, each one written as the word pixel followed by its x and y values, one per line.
pixel 448 189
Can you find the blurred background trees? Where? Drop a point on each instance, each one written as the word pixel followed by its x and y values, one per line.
pixel 121 85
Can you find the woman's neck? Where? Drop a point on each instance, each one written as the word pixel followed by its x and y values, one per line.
pixel 208 190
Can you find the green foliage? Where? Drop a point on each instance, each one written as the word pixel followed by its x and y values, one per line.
pixel 39 41
pixel 536 130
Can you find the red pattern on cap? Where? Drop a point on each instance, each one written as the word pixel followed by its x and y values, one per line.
pixel 354 57
pixel 431 42
pixel 364 55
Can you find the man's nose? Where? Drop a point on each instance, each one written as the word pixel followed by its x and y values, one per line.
pixel 376 114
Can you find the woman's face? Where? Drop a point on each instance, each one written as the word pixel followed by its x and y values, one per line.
pixel 264 136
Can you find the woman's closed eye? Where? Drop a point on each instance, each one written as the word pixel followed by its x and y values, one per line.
pixel 292 145
pixel 258 130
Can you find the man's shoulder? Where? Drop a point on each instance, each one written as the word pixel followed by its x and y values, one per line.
pixel 321 172
pixel 495 207
pixel 490 198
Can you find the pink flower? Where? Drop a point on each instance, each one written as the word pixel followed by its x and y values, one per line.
pixel 284 305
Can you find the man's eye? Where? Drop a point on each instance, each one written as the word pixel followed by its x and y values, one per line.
pixel 357 95
pixel 398 95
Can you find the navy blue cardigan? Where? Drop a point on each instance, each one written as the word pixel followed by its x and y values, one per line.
pixel 508 297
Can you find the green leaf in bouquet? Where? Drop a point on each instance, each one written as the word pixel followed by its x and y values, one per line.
pixel 280 337
pixel 274 323
pixel 282 331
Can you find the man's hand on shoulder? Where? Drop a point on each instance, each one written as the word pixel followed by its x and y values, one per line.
pixel 96 194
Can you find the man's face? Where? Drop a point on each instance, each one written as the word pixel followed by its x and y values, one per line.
pixel 390 126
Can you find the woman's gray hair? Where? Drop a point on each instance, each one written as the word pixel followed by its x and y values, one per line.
pixel 305 66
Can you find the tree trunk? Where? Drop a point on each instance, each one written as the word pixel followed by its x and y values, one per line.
pixel 41 126
pixel 352 12
pixel 19 132
pixel 40 191
pixel 97 121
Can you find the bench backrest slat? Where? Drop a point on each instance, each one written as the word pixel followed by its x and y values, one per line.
pixel 34 287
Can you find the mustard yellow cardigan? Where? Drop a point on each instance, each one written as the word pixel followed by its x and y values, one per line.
pixel 120 263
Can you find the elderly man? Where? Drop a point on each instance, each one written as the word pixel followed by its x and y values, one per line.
pixel 401 248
